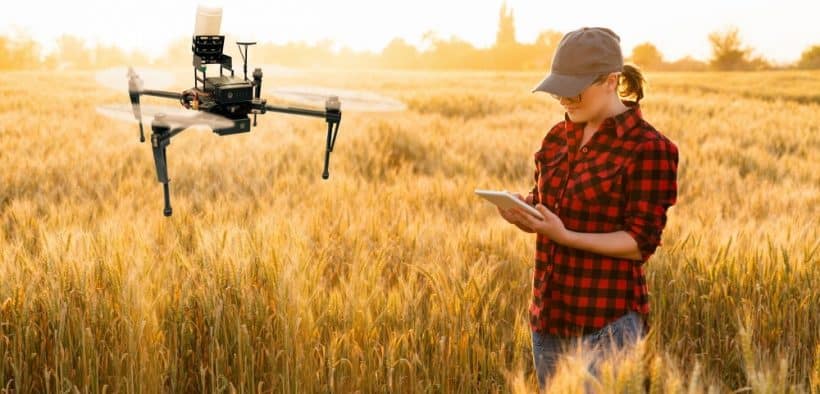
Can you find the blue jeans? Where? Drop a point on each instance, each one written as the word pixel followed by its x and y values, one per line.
pixel 546 348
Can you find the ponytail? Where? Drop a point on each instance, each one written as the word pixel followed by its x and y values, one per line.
pixel 633 81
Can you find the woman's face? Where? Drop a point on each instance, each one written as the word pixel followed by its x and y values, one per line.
pixel 593 99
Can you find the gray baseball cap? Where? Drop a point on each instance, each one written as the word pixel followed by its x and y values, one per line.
pixel 581 56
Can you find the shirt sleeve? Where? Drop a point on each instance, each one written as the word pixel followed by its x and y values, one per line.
pixel 651 189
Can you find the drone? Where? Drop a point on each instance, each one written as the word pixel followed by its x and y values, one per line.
pixel 223 102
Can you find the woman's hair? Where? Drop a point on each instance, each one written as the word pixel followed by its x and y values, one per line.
pixel 630 82
pixel 633 82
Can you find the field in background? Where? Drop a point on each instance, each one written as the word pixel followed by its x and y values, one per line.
pixel 391 276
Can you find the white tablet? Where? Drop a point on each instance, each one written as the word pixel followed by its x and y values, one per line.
pixel 507 200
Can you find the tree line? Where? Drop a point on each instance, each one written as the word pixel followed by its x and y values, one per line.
pixel 728 52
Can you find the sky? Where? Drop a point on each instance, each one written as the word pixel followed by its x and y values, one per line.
pixel 779 30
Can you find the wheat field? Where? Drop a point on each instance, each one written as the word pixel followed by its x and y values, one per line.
pixel 390 276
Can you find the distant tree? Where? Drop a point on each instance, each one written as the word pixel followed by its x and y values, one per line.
pixel 506 27
pixel 178 53
pixel 297 53
pixel 507 53
pixel 549 38
pixel 50 62
pixel 72 53
pixel 728 52
pixel 543 49
pixel 758 62
pixel 19 52
pixel 108 56
pixel 647 56
pixel 399 54
pixel 7 60
pixel 686 63
pixel 450 54
pixel 138 58
pixel 428 39
pixel 810 59
pixel 347 57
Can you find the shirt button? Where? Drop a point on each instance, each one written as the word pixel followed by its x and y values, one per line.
pixel 584 149
pixel 556 205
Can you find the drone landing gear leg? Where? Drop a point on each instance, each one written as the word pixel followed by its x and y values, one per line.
pixel 160 138
pixel 332 130
pixel 162 176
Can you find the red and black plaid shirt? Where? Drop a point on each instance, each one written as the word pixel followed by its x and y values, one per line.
pixel 624 178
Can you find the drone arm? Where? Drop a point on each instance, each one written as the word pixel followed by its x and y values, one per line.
pixel 331 114
pixel 296 111
pixel 161 93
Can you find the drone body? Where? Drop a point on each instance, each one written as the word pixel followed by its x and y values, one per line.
pixel 222 102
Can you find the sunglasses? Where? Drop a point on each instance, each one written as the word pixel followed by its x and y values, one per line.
pixel 577 99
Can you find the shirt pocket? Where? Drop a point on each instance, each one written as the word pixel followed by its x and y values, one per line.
pixel 601 182
pixel 550 175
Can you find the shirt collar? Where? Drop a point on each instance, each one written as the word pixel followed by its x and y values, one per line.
pixel 621 123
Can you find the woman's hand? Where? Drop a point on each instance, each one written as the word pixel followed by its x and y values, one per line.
pixel 511 216
pixel 551 226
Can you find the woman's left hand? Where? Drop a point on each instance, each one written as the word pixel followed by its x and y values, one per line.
pixel 551 226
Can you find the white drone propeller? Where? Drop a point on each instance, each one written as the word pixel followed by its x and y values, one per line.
pixel 174 116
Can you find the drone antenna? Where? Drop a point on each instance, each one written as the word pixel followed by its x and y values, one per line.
pixel 240 44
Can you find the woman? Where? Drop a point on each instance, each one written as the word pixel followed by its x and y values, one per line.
pixel 604 179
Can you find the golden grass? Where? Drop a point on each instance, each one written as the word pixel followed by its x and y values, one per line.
pixel 391 276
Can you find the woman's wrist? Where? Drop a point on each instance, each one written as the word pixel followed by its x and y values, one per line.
pixel 566 237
